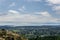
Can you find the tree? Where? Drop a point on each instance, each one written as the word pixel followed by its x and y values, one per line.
pixel 3 32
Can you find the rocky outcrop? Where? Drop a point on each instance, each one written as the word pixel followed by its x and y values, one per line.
pixel 9 35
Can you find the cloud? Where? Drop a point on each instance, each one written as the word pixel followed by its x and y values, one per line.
pixel 33 0
pixel 56 8
pixel 22 9
pixel 53 1
pixel 12 4
pixel 55 4
pixel 13 11
pixel 46 14
pixel 17 18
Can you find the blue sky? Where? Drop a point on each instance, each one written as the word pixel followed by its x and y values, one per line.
pixel 29 12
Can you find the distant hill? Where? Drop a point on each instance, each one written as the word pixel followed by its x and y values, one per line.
pixel 18 27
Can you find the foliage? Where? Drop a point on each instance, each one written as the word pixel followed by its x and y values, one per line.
pixel 46 38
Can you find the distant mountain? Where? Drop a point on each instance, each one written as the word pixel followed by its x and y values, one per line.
pixel 10 27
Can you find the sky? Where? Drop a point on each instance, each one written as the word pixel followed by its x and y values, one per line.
pixel 29 12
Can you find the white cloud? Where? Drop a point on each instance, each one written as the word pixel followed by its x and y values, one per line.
pixel 53 1
pixel 55 4
pixel 13 11
pixel 12 4
pixel 33 0
pixel 46 14
pixel 22 9
pixel 56 8
pixel 15 17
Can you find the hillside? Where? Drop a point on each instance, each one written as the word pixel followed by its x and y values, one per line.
pixel 9 35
